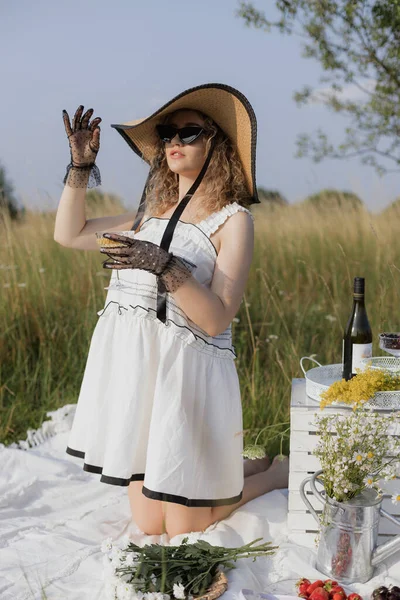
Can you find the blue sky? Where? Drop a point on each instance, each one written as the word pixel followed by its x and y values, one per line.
pixel 127 58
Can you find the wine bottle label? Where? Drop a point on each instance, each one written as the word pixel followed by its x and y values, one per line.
pixel 360 351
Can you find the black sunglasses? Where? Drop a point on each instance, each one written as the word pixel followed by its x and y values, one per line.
pixel 187 135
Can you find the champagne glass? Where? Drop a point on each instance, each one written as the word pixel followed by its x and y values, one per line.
pixel 390 342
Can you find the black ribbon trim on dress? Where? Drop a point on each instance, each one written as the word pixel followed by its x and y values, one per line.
pixel 99 470
pixel 121 481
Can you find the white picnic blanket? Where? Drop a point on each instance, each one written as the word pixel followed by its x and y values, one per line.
pixel 54 517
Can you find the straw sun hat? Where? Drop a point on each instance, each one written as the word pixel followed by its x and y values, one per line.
pixel 228 107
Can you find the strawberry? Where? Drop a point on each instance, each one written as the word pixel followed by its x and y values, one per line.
pixel 319 593
pixel 337 589
pixel 354 597
pixel 302 586
pixel 314 585
pixel 329 584
pixel 337 597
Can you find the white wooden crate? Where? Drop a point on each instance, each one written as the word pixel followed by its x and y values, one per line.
pixel 302 526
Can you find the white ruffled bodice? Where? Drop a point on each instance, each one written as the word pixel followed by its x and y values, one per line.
pixel 138 296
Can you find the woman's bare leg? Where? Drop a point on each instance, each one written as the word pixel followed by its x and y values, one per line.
pixel 253 466
pixel 274 478
pixel 181 519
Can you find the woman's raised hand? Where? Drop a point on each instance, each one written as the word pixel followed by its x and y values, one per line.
pixel 84 143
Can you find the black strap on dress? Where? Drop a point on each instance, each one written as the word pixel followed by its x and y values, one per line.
pixel 170 228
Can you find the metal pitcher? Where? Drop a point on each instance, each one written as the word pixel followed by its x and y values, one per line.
pixel 347 549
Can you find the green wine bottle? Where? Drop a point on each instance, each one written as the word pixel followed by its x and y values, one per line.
pixel 357 339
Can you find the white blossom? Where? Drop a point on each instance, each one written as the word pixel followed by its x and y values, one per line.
pixel 330 318
pixel 124 591
pixel 358 457
pixel 130 559
pixel 179 591
pixel 106 544
pixel 123 542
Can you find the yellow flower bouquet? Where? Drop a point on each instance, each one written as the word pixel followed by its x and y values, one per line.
pixel 358 390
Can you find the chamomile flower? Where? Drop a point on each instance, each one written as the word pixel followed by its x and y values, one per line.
pixel 179 591
pixel 106 544
pixel 358 457
pixel 129 559
pixel 369 482
pixel 396 498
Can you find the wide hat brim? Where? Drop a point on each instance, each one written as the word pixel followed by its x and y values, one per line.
pixel 228 107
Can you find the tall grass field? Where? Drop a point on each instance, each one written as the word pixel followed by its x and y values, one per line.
pixel 297 302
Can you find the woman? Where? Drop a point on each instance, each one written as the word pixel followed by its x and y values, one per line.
pixel 159 408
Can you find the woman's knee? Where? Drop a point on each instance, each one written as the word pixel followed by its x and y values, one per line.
pixel 146 513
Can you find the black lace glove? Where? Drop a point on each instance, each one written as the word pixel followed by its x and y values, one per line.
pixel 141 254
pixel 84 143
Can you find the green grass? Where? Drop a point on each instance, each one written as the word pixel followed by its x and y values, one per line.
pixel 299 290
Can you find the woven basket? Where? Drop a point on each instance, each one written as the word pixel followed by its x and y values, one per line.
pixel 218 586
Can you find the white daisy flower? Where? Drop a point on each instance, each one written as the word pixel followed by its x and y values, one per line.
pixel 129 559
pixel 358 457
pixel 106 544
pixel 125 591
pixel 116 556
pixel 123 542
pixel 179 591
pixel 396 498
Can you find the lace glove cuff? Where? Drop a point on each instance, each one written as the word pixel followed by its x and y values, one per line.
pixel 177 271
pixel 82 177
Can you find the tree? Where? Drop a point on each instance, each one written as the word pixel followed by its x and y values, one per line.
pixel 8 202
pixel 329 199
pixel 393 210
pixel 357 43
pixel 271 197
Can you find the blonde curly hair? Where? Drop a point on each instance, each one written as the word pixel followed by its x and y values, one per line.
pixel 223 183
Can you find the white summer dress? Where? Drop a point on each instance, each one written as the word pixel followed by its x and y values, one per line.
pixel 160 402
